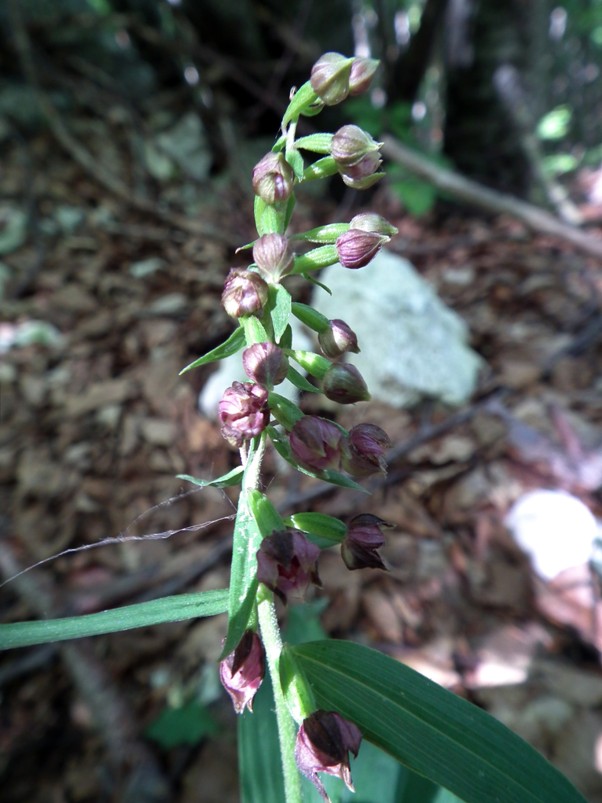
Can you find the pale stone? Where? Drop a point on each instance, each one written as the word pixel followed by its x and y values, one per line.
pixel 413 347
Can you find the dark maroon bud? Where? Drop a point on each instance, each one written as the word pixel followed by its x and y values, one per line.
pixel 245 293
pixel 323 744
pixel 330 78
pixel 370 221
pixel 243 412
pixel 344 384
pixel 365 451
pixel 274 257
pixel 273 178
pixel 287 561
pixel 350 144
pixel 265 364
pixel 364 538
pixel 316 443
pixel 365 168
pixel 356 247
pixel 241 673
pixel 362 72
pixel 338 339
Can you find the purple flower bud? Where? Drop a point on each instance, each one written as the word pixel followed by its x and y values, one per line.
pixel 356 247
pixel 364 538
pixel 265 364
pixel 323 744
pixel 330 78
pixel 344 384
pixel 245 293
pixel 241 673
pixel 274 257
pixel 316 443
pixel 350 144
pixel 243 412
pixel 338 339
pixel 273 178
pixel 362 72
pixel 287 561
pixel 361 183
pixel 365 450
pixel 370 221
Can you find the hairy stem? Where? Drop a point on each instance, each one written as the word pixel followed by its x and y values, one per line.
pixel 272 642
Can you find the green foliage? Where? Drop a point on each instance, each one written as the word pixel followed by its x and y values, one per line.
pixel 187 724
pixel 428 729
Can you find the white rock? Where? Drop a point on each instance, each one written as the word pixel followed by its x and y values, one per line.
pixel 555 529
pixel 412 345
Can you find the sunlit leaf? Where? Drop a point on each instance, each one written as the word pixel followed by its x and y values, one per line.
pixel 428 729
pixel 233 477
pixel 230 346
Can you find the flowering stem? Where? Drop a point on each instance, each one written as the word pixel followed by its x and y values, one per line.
pixel 272 642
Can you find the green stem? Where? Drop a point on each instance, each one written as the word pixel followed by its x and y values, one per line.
pixel 272 642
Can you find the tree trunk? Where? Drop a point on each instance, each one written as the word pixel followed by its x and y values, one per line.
pixel 485 40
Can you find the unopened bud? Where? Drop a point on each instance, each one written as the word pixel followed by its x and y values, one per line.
pixel 287 561
pixel 364 538
pixel 344 384
pixel 365 449
pixel 338 339
pixel 245 293
pixel 370 221
pixel 350 144
pixel 316 443
pixel 323 744
pixel 356 248
pixel 241 673
pixel 363 174
pixel 265 364
pixel 274 257
pixel 362 72
pixel 243 412
pixel 273 178
pixel 330 78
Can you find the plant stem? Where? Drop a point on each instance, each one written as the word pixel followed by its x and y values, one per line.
pixel 272 642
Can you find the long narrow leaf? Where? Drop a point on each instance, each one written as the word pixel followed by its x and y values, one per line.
pixel 428 729
pixel 157 611
pixel 233 477
pixel 226 349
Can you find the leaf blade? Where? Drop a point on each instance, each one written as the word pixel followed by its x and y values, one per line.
pixel 168 609
pixel 226 349
pixel 428 729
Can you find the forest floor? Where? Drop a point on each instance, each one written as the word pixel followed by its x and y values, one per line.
pixel 96 424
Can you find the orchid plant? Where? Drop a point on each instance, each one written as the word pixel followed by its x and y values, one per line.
pixel 328 695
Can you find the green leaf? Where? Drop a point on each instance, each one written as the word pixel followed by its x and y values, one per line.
pixel 157 611
pixel 279 309
pixel 324 530
pixel 299 381
pixel 324 235
pixel 294 158
pixel 243 572
pixel 317 258
pixel 284 411
pixel 186 724
pixel 315 143
pixel 322 168
pixel 265 514
pixel 259 762
pixel 315 364
pixel 233 477
pixel 286 341
pixel 254 330
pixel 288 212
pixel 310 317
pixel 301 102
pixel 269 219
pixel 230 346
pixel 428 729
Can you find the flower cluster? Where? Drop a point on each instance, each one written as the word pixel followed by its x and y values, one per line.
pixel 253 412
